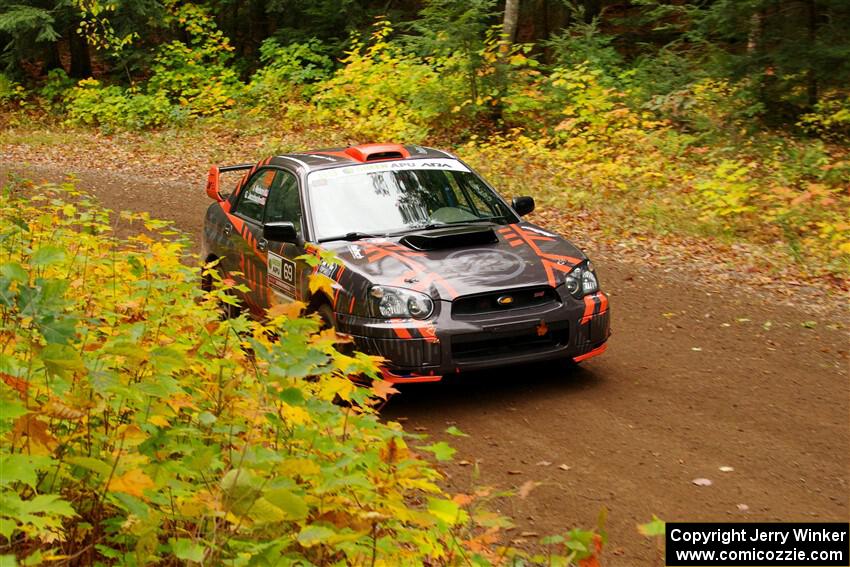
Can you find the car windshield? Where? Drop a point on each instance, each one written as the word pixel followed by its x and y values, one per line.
pixel 396 196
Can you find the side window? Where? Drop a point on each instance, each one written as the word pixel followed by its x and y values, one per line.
pixel 479 197
pixel 252 201
pixel 284 204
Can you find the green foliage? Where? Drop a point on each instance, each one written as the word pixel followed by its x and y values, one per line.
pixel 26 28
pixel 792 51
pixel 455 32
pixel 288 66
pixel 585 44
pixel 384 92
pixel 10 91
pixel 713 108
pixel 114 107
pixel 96 23
pixel 196 74
pixel 830 119
pixel 55 87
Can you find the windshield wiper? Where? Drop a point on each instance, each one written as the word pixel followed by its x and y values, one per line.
pixel 351 236
pixel 434 225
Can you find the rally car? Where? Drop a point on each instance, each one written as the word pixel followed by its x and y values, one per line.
pixel 434 271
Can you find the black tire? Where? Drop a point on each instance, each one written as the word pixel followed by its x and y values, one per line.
pixel 228 311
pixel 327 316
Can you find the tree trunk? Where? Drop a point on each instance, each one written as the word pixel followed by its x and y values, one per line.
pixel 51 57
pixel 79 50
pixel 754 37
pixel 811 73
pixel 510 22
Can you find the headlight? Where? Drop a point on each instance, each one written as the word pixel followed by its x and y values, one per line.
pixel 582 280
pixel 392 302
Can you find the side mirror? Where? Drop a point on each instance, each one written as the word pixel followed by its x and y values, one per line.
pixel 280 232
pixel 213 185
pixel 523 205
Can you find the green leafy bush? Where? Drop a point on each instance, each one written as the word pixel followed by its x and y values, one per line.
pixel 10 91
pixel 383 92
pixel 196 74
pixel 113 107
pixel 287 67
pixel 829 119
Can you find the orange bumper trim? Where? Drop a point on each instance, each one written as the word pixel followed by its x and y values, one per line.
pixel 413 378
pixel 595 352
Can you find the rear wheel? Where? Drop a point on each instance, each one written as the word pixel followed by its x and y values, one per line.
pixel 228 311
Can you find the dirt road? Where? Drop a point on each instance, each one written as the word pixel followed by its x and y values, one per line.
pixel 692 381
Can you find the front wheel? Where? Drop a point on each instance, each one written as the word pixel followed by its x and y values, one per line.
pixel 327 316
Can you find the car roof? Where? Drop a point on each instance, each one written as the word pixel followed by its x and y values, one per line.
pixel 352 155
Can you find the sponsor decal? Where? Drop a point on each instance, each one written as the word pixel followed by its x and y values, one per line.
pixel 257 194
pixel 328 268
pixel 355 251
pixel 281 275
pixel 319 178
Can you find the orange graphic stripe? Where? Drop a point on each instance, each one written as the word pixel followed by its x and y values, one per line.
pixel 595 352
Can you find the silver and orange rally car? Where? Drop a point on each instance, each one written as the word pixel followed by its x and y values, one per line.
pixel 436 272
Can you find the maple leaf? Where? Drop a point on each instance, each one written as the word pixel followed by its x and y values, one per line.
pixel 133 482
pixel 321 282
pixel 18 384
pixel 56 409
pixel 41 440
pixel 290 310
pixel 383 389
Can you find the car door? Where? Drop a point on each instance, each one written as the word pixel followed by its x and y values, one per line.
pixel 248 260
pixel 283 270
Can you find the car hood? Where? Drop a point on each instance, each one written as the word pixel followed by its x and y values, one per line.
pixel 464 263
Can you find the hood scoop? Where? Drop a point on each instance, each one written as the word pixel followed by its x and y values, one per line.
pixel 450 237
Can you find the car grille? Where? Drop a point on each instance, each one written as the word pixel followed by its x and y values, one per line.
pixel 472 305
pixel 469 348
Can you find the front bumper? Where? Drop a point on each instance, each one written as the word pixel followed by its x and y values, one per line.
pixel 424 351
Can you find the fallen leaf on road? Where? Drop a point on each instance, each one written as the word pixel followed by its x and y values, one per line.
pixel 726 469
pixel 514 472
pixel 543 463
pixel 529 534
pixel 564 467
pixel 527 487
pixel 701 482
pixel 464 463
pixel 696 348
pixel 743 507
pixel 452 430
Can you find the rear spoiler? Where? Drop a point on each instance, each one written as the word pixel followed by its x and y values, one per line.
pixel 214 179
